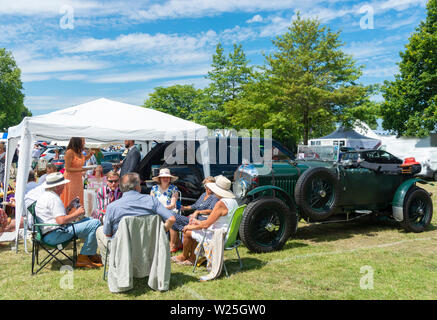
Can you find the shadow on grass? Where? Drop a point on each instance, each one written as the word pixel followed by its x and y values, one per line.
pixel 343 230
pixel 5 246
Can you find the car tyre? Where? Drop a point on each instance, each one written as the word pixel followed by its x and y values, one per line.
pixel 266 225
pixel 317 193
pixel 418 210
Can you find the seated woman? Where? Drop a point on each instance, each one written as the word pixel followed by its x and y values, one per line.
pixel 107 194
pixel 218 219
pixel 204 205
pixel 168 195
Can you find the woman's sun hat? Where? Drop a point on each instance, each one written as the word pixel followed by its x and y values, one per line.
pixel 164 173
pixel 221 187
pixel 55 179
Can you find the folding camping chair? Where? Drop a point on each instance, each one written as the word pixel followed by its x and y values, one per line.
pixel 52 250
pixel 231 241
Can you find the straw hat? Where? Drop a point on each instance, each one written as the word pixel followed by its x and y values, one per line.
pixel 164 173
pixel 221 187
pixel 55 179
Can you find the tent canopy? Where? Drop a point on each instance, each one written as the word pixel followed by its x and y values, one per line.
pixel 342 133
pixel 348 138
pixel 100 120
pixel 108 121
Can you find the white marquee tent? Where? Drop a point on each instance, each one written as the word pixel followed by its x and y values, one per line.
pixel 100 120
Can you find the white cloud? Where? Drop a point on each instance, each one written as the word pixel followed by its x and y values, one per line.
pixel 148 48
pixel 256 18
pixel 381 72
pixel 149 75
pixel 61 64
pixel 46 7
pixel 200 8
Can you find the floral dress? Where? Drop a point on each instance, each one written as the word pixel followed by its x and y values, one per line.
pixel 165 196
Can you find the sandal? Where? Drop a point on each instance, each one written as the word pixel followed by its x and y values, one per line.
pixel 186 263
pixel 176 260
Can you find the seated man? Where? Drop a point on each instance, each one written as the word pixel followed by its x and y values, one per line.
pixel 50 209
pixel 132 203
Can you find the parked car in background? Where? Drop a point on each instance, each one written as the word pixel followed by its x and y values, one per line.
pixel 50 153
pixel 110 158
pixel 226 155
pixel 371 183
pixel 59 163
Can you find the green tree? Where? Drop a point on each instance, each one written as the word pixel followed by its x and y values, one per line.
pixel 183 101
pixel 314 77
pixel 12 109
pixel 410 106
pixel 305 89
pixel 228 76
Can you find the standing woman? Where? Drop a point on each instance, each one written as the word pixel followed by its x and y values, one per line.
pixel 74 161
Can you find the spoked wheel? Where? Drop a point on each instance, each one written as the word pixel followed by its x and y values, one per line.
pixel 320 194
pixel 417 210
pixel 267 224
pixel 317 193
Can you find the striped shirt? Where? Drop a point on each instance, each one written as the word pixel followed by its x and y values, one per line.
pixel 105 196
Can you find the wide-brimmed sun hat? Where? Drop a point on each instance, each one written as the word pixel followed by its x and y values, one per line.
pixel 221 187
pixel 55 179
pixel 164 173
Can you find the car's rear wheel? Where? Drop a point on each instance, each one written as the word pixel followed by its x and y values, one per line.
pixel 417 210
pixel 267 224
pixel 317 193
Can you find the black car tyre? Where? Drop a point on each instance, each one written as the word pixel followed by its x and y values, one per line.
pixel 417 210
pixel 317 193
pixel 266 225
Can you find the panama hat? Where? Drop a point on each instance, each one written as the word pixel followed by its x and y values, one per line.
pixel 221 187
pixel 164 173
pixel 55 179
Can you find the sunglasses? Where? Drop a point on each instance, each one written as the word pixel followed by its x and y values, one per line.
pixel 112 181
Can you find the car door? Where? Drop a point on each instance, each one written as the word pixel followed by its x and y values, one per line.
pixel 370 185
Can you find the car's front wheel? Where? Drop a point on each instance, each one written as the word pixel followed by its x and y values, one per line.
pixel 267 224
pixel 417 210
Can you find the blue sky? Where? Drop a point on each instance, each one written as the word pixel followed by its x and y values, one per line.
pixel 71 52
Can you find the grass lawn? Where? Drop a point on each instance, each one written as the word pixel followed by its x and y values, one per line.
pixel 321 262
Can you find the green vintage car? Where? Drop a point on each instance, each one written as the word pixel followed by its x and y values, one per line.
pixel 371 183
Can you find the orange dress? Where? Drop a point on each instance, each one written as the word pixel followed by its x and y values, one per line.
pixel 75 187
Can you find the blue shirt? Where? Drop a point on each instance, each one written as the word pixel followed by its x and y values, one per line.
pixel 207 204
pixel 132 203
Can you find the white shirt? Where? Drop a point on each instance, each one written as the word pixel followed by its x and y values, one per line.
pixel 33 195
pixel 48 207
pixel 223 221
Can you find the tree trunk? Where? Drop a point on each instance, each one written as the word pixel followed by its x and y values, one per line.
pixel 305 127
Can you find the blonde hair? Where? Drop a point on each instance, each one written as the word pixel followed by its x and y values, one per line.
pixel 112 174
pixel 208 179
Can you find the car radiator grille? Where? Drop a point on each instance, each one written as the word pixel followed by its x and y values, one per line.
pixel 286 184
